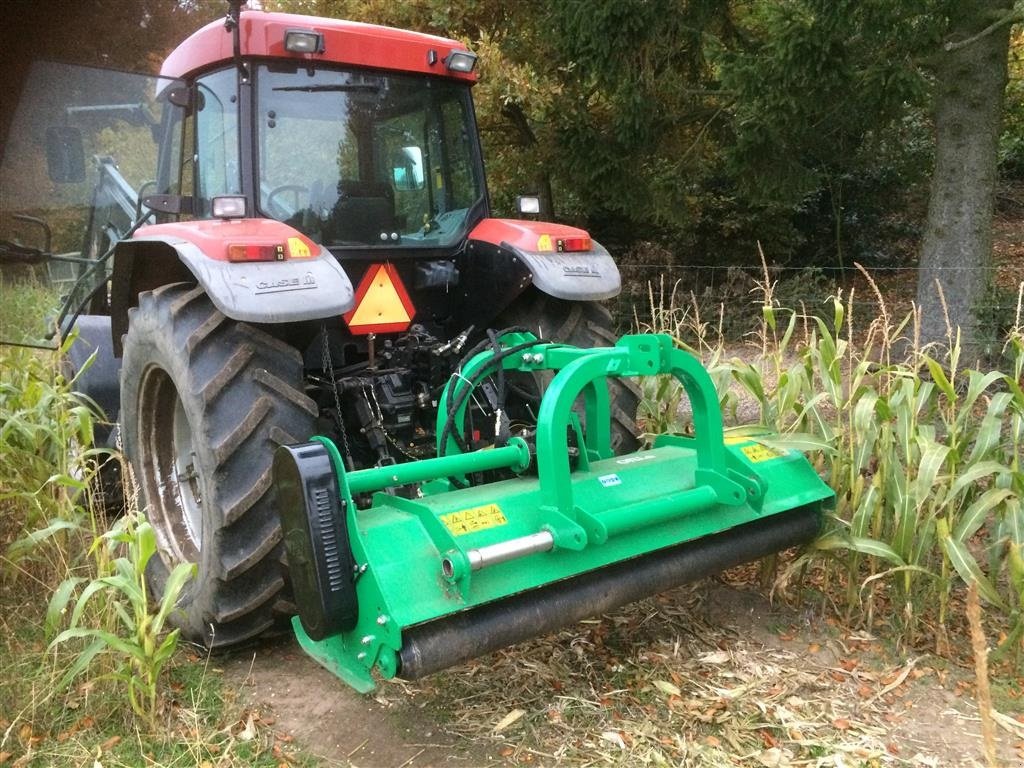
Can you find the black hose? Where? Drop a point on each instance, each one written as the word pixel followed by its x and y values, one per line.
pixel 450 429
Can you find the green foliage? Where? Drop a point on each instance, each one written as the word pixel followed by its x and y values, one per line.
pixel 136 637
pixel 46 454
pixel 52 550
pixel 1011 143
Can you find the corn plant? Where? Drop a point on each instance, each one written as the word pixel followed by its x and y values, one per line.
pixel 47 458
pixel 924 455
pixel 125 624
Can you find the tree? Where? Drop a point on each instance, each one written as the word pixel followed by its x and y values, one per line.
pixel 970 81
pixel 822 77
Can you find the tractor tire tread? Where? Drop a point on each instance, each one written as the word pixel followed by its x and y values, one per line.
pixel 242 390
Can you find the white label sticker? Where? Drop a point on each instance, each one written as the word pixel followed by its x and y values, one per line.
pixel 609 480
pixel 635 459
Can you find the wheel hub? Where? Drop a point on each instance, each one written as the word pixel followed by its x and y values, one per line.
pixel 169 470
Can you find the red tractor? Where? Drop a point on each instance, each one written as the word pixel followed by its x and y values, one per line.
pixel 316 255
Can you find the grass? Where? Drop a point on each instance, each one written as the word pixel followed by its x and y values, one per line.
pixel 113 691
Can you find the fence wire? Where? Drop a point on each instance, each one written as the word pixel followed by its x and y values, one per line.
pixel 729 299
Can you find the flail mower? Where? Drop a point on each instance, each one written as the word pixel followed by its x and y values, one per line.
pixel 559 528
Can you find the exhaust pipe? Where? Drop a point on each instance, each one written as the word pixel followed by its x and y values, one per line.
pixel 436 645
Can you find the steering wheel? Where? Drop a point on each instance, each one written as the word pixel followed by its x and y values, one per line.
pixel 298 190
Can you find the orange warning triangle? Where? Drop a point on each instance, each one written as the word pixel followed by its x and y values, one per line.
pixel 382 303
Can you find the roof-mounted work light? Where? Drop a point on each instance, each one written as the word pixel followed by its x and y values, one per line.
pixel 303 41
pixel 460 61
pixel 228 207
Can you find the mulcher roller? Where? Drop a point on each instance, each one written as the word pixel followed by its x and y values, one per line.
pixel 410 586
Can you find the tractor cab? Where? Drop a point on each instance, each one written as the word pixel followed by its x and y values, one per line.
pixel 322 128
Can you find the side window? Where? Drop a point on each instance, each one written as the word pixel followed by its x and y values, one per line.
pixel 216 133
pixel 458 152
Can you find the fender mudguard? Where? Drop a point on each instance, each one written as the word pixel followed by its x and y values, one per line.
pixel 99 380
pixel 308 287
pixel 562 261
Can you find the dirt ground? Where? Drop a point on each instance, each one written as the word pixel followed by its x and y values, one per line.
pixel 875 710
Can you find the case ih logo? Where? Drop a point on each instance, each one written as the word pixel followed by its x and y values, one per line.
pixel 286 284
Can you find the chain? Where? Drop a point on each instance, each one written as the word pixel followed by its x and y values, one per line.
pixel 328 364
pixel 380 423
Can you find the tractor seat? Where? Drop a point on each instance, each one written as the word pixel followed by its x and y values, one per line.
pixel 365 210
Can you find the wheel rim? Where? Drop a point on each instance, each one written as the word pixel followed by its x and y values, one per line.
pixel 169 470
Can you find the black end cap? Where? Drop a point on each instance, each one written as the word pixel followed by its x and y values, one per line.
pixel 315 530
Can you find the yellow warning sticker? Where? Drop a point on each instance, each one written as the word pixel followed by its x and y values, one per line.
pixel 758 453
pixel 544 243
pixel 297 249
pixel 474 519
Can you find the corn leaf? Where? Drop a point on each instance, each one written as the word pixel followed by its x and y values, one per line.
pixel 59 602
pixel 939 377
pixel 81 662
pixel 860 544
pixel 969 571
pixel 181 574
pixel 976 514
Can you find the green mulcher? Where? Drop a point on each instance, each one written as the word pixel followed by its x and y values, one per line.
pixel 403 570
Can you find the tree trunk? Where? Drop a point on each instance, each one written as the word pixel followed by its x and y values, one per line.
pixel 971 75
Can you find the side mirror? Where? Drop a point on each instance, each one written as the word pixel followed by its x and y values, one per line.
pixel 408 168
pixel 65 154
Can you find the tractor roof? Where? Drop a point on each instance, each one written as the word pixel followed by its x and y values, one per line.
pixel 345 42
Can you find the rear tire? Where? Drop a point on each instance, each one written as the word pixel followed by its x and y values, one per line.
pixel 584 324
pixel 205 401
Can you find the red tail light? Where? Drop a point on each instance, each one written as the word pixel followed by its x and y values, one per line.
pixel 240 252
pixel 572 244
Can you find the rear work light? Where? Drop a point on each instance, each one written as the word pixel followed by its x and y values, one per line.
pixel 572 244
pixel 528 204
pixel 303 41
pixel 460 61
pixel 228 207
pixel 242 252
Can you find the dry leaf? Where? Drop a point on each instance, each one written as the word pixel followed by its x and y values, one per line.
pixel 110 743
pixel 5 756
pixel 249 732
pixel 508 719
pixel 614 737
pixel 666 687
pixel 773 758
pixel 714 657
pixel 841 723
